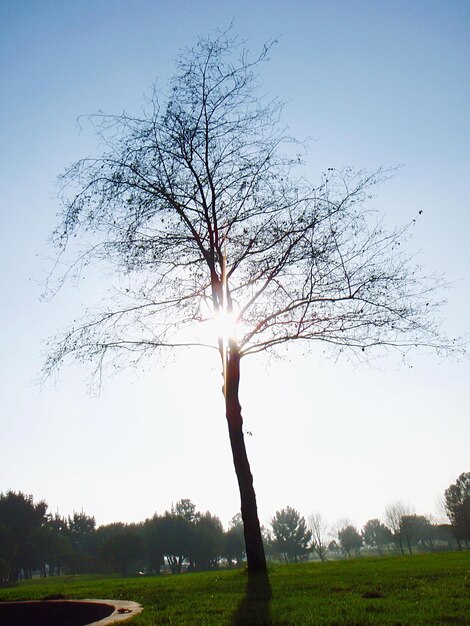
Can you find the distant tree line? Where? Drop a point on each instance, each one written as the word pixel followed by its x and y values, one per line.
pixel 34 542
pixel 402 530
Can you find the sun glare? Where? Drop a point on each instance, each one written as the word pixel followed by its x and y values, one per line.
pixel 226 325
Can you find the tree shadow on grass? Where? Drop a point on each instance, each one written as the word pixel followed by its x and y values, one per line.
pixel 254 607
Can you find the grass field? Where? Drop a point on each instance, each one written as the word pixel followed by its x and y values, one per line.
pixel 423 589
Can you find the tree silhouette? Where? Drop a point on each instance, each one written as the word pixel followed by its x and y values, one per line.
pixel 154 542
pixel 21 519
pixel 319 530
pixel 206 542
pixel 176 536
pixel 350 539
pixel 197 204
pixel 414 529
pixel 376 534
pixel 457 503
pixel 123 546
pixel 394 513
pixel 81 532
pixel 291 535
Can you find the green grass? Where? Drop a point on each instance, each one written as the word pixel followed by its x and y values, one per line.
pixel 424 589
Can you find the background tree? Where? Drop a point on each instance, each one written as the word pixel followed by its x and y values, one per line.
pixel 416 529
pixel 457 502
pixel 233 542
pixel 444 533
pixel 350 540
pixel 198 206
pixel 206 545
pixel 49 549
pixel 82 534
pixel 319 531
pixel 21 520
pixel 5 569
pixel 333 547
pixel 376 535
pixel 186 509
pixel 123 547
pixel 393 516
pixel 290 534
pixel 8 550
pixel 60 548
pixel 176 533
pixel 154 543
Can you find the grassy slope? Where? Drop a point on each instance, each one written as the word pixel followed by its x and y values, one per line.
pixel 425 589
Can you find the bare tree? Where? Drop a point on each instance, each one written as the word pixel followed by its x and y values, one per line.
pixel 195 204
pixel 394 515
pixel 319 530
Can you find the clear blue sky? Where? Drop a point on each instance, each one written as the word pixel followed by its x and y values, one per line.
pixel 373 83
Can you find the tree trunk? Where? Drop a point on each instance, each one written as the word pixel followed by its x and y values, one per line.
pixel 400 544
pixel 255 556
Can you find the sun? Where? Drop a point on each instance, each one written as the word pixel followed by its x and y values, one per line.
pixel 226 324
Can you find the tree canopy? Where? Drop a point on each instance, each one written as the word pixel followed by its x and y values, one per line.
pixel 375 534
pixel 457 502
pixel 291 537
pixel 350 539
pixel 208 177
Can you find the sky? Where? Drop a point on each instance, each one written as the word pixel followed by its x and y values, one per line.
pixel 373 83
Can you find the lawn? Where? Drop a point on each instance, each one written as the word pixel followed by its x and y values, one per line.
pixel 423 589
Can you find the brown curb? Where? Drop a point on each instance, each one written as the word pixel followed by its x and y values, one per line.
pixel 123 609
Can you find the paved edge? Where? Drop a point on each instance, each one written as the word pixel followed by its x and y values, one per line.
pixel 128 608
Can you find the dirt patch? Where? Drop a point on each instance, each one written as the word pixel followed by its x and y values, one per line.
pixel 374 593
